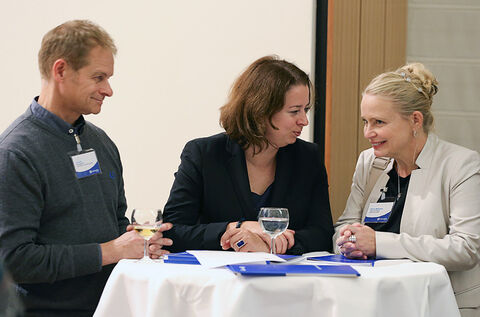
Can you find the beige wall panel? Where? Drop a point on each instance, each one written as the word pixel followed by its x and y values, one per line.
pixel 459 82
pixel 443 2
pixel 444 36
pixel 463 128
pixel 345 69
pixel 439 32
pixel 368 37
pixel 372 50
pixel 395 34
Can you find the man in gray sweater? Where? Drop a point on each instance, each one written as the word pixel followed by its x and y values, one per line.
pixel 62 200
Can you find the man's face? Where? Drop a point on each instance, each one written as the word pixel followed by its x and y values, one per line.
pixel 84 90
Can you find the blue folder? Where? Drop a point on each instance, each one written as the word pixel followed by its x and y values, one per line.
pixel 181 258
pixel 283 270
pixel 187 258
pixel 340 259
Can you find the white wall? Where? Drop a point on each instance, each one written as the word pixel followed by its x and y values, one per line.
pixel 444 35
pixel 176 62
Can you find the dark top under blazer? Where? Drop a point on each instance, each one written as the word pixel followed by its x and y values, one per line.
pixel 211 189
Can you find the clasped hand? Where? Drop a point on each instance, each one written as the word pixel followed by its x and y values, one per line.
pixel 254 239
pixel 157 241
pixel 363 247
pixel 130 245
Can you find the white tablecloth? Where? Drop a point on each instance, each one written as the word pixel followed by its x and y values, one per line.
pixel 158 289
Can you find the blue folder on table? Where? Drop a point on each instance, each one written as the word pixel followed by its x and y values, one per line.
pixel 283 270
pixel 187 258
pixel 341 260
pixel 181 258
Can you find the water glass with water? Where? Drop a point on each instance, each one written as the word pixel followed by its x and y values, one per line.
pixel 274 221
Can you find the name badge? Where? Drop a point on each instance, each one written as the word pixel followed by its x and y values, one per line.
pixel 85 163
pixel 379 212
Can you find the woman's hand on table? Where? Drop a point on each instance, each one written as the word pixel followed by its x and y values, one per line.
pixel 252 235
pixel 363 247
pixel 283 242
pixel 243 240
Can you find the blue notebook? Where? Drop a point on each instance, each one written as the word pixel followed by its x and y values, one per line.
pixel 283 270
pixel 340 259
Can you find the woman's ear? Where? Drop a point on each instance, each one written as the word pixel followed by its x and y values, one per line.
pixel 417 120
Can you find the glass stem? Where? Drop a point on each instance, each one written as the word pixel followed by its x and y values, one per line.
pixel 145 249
pixel 272 249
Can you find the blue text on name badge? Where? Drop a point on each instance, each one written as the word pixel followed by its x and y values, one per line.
pixel 86 164
pixel 378 212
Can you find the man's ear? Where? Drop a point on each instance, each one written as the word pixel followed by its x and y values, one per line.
pixel 58 69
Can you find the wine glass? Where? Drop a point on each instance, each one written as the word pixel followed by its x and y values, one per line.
pixel 146 222
pixel 274 221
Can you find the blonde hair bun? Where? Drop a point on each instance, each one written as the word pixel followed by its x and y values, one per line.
pixel 411 88
pixel 421 77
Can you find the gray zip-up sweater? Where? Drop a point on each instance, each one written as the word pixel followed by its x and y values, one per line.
pixel 51 223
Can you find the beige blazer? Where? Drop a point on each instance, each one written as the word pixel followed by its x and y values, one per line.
pixel 441 217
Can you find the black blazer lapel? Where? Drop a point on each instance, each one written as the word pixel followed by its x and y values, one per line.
pixel 237 170
pixel 283 175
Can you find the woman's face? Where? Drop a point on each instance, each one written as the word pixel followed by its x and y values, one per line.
pixel 389 132
pixel 291 119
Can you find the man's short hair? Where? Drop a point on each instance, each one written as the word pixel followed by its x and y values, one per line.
pixel 72 41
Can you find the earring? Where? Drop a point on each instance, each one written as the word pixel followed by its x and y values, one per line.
pixel 414 133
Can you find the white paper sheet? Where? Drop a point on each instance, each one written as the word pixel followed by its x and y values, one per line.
pixel 221 258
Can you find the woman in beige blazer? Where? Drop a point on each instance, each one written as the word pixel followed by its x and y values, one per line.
pixel 413 195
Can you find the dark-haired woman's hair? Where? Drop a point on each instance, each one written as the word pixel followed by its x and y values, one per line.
pixel 256 95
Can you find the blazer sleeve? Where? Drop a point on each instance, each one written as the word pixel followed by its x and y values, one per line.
pixel 317 234
pixel 459 249
pixel 354 207
pixel 184 206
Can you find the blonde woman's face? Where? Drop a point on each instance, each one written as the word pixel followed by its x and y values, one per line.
pixel 291 119
pixel 389 133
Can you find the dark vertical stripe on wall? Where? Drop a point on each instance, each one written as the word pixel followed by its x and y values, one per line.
pixel 320 73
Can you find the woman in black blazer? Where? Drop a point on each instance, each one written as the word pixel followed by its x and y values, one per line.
pixel 224 180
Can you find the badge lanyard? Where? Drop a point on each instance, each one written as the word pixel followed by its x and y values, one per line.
pixel 85 162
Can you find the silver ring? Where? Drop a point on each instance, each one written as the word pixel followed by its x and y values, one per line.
pixel 240 243
pixel 352 238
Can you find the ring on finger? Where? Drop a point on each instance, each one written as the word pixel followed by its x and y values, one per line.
pixel 352 238
pixel 240 244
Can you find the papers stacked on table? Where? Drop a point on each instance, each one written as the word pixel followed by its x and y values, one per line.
pixel 259 263
pixel 221 258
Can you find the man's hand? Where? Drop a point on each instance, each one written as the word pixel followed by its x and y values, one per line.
pixel 130 245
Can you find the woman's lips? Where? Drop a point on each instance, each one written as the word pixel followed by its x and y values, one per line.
pixel 377 144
